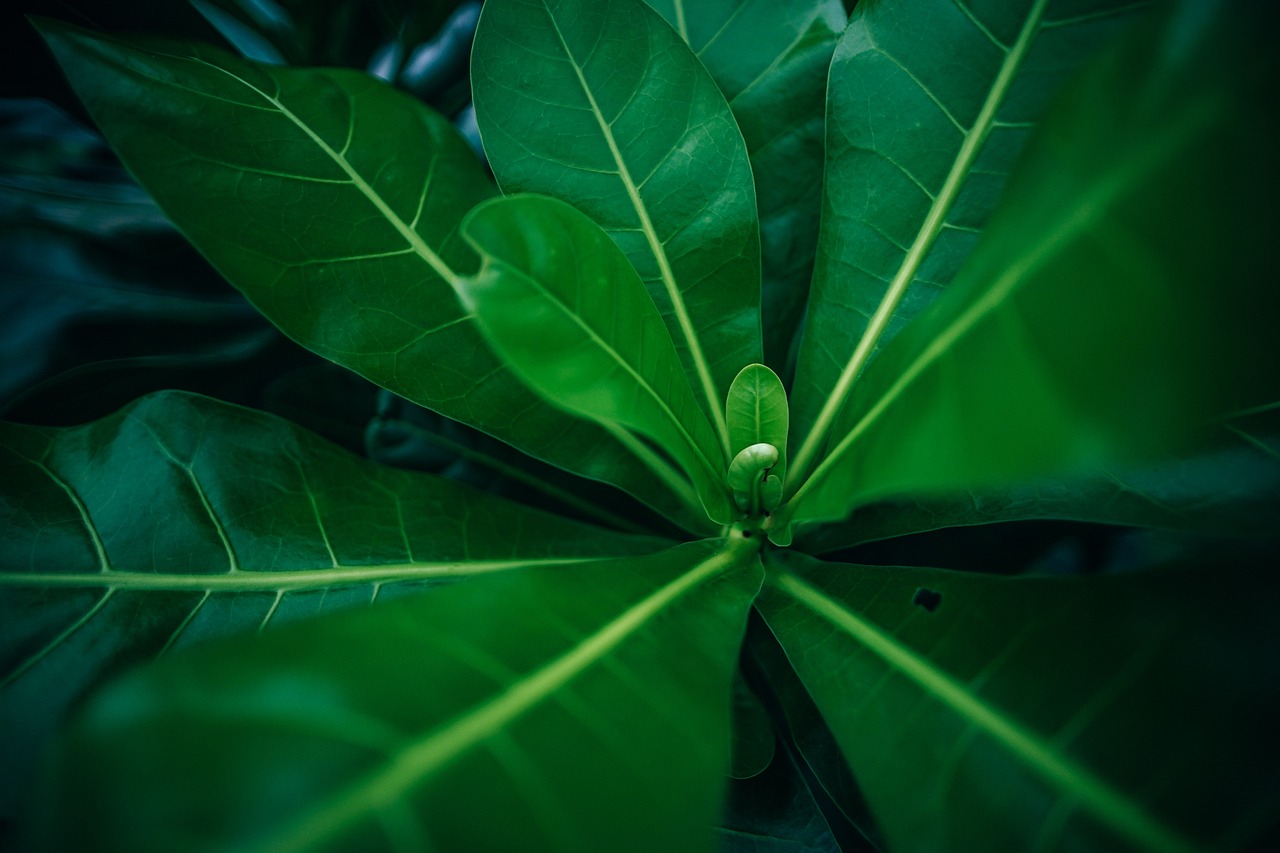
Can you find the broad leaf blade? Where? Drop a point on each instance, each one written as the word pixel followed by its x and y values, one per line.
pixel 564 308
pixel 770 59
pixel 1118 305
pixel 602 105
pixel 332 201
pixel 1231 487
pixel 1113 712
pixel 181 518
pixel 928 106
pixel 587 706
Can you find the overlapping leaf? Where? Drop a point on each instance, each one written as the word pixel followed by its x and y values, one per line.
pixel 1118 712
pixel 181 518
pixel 587 706
pixel 770 59
pixel 565 309
pixel 1231 487
pixel 1114 309
pixel 604 106
pixel 928 106
pixel 333 202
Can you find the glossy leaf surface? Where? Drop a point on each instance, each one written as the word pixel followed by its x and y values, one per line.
pixel 1105 316
pixel 181 518
pixel 332 201
pixel 589 704
pixel 928 106
pixel 1115 712
pixel 567 312
pixel 770 59
pixel 601 104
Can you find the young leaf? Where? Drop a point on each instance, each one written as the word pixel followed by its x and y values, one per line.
pixel 332 201
pixel 602 105
pixel 1119 303
pixel 181 518
pixel 928 107
pixel 587 706
pixel 770 59
pixel 757 413
pixel 1119 712
pixel 567 312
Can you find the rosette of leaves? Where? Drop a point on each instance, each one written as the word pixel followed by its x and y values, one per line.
pixel 1032 239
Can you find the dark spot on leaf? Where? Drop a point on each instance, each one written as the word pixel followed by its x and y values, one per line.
pixel 927 598
pixel 746 534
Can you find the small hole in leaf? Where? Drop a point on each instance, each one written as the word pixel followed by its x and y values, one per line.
pixel 927 598
pixel 746 534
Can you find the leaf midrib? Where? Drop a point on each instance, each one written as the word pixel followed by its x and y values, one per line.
pixel 421 759
pixel 244 580
pixel 701 367
pixel 974 140
pixel 1106 802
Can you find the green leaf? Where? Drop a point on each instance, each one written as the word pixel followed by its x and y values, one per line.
pixel 562 305
pixel 752 745
pixel 929 105
pixel 809 741
pixel 602 105
pixel 770 59
pixel 773 812
pixel 1115 712
pixel 757 413
pixel 332 201
pixel 1232 487
pixel 181 518
pixel 586 706
pixel 1118 305
pixel 409 436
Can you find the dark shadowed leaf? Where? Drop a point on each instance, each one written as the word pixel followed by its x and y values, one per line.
pixel 1231 487
pixel 1115 712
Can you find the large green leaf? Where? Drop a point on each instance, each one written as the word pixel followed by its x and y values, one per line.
pixel 602 105
pixel 1118 305
pixel 332 201
pixel 1231 487
pixel 770 59
pixel 565 309
pixel 181 518
pixel 1116 712
pixel 928 106
pixel 569 708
